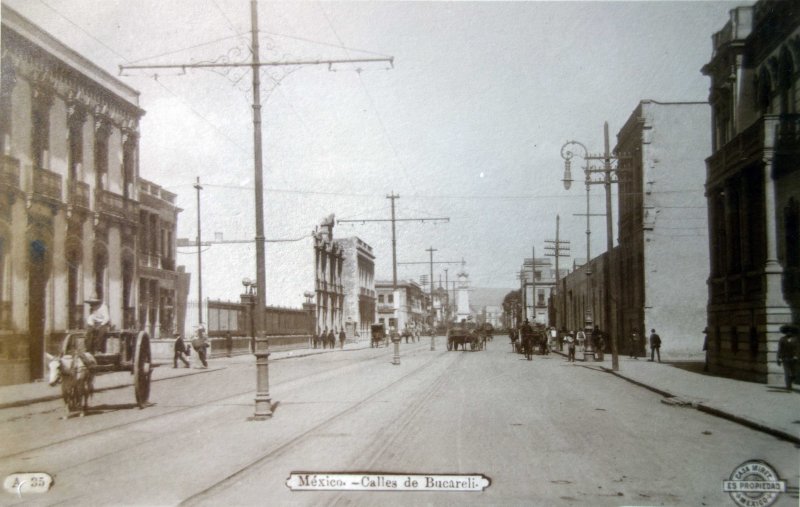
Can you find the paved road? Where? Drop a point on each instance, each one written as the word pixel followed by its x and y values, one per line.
pixel 546 432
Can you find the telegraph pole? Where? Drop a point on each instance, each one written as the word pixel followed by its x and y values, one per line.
pixel 431 263
pixel 263 409
pixel 393 220
pixel 557 248
pixel 199 260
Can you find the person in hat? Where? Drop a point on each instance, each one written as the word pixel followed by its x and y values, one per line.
pixel 180 350
pixel 200 344
pixel 789 353
pixel 98 325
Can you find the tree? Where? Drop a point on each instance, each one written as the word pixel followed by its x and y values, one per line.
pixel 512 308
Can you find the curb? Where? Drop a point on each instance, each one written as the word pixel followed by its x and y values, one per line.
pixel 722 414
pixel 54 397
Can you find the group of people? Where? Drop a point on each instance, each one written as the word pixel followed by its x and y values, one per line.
pixel 582 340
pixel 200 344
pixel 327 339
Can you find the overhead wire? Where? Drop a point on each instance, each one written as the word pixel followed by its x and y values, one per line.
pixel 112 50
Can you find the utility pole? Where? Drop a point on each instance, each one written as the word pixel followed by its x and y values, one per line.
pixel 557 248
pixel 199 259
pixel 533 277
pixel 431 263
pixel 263 404
pixel 393 220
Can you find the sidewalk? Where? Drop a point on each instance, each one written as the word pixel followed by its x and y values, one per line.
pixel 767 408
pixel 36 392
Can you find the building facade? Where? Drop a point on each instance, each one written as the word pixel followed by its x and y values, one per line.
pixel 753 188
pixel 538 283
pixel 358 282
pixel 69 199
pixel 658 280
pixel 328 268
pixel 405 307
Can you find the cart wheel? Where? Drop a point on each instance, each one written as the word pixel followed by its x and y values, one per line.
pixel 142 369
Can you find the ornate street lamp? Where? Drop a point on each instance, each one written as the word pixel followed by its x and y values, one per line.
pixel 609 176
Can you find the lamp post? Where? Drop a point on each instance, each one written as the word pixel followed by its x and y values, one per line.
pixel 609 176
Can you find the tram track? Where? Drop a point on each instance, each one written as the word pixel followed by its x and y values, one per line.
pixel 241 472
pixel 202 405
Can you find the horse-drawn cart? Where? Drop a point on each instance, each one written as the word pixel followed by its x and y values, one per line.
pixel 378 335
pixel 120 351
pixel 462 335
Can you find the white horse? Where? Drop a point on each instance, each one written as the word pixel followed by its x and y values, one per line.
pixel 76 381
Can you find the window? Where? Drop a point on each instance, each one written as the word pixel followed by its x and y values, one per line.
pixel 792 234
pixel 6 89
pixel 101 155
pixel 390 298
pixel 380 299
pixel 40 129
pixel 538 276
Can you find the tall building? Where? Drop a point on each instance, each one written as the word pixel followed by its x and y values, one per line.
pixel 328 267
pixel 662 259
pixel 71 202
pixel 358 282
pixel 753 188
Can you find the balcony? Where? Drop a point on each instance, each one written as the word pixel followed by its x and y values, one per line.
pixel 167 264
pixel 771 132
pixel 9 176
pixel 47 184
pixel 116 206
pixel 367 292
pixel 385 308
pixel 79 194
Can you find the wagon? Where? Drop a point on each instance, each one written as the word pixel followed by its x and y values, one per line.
pixel 378 335
pixel 463 336
pixel 122 351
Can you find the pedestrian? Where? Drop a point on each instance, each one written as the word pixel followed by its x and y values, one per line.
pixel 228 344
pixel 180 350
pixel 342 338
pixel 580 337
pixel 789 353
pixel 633 345
pixel 599 343
pixel 705 348
pixel 324 338
pixel 655 345
pixel 200 344
pixel 570 341
pixel 332 339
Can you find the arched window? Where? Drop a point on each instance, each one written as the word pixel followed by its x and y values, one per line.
pixel 786 83
pixel 791 217
pixel 763 91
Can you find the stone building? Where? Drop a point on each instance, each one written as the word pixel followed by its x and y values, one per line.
pixel 358 281
pixel 328 267
pixel 405 307
pixel 659 278
pixel 753 188
pixel 70 203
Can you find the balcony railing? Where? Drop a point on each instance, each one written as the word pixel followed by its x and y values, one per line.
pixel 116 205
pixel 385 308
pixel 367 292
pixel 9 176
pixel 47 183
pixel 778 132
pixel 79 193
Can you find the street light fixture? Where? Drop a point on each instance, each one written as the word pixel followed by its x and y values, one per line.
pixel 610 176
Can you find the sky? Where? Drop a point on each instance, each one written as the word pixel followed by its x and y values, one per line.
pixel 467 123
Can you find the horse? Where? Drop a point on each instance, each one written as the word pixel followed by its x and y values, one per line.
pixel 77 381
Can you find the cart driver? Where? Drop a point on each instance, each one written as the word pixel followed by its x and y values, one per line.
pixel 97 325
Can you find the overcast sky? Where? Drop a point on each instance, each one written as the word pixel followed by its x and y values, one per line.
pixel 467 125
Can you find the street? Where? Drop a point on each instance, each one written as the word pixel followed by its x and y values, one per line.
pixel 546 432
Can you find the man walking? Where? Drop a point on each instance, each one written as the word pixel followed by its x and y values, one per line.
pixel 180 350
pixel 200 344
pixel 655 345
pixel 789 354
pixel 342 338
pixel 570 346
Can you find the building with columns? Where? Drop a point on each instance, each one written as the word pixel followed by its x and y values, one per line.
pixel 753 188
pixel 70 201
pixel 328 268
pixel 358 282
